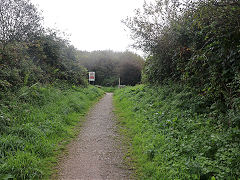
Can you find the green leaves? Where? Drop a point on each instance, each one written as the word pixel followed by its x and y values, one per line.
pixel 198 47
pixel 175 136
pixel 20 21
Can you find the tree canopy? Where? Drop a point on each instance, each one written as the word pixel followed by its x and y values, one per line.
pixel 19 20
pixel 30 53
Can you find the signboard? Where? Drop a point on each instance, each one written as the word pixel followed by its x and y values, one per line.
pixel 91 76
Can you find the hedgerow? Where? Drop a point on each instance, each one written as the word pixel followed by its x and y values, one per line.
pixel 196 43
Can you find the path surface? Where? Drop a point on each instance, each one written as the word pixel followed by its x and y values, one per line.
pixel 96 153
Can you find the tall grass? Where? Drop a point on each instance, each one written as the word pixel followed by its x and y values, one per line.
pixel 175 136
pixel 36 123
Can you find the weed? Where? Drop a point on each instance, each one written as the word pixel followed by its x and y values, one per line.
pixel 34 123
pixel 174 135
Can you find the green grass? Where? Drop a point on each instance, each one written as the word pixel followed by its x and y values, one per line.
pixel 110 89
pixel 173 135
pixel 35 125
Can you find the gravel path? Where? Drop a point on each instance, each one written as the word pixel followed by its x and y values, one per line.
pixel 96 153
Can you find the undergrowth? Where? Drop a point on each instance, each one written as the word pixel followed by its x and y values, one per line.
pixel 35 124
pixel 175 136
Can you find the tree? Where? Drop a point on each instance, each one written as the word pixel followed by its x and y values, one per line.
pixel 110 65
pixel 152 32
pixel 148 23
pixel 130 73
pixel 19 20
pixel 130 68
pixel 198 46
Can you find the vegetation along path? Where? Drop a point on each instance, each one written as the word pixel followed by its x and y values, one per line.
pixel 95 154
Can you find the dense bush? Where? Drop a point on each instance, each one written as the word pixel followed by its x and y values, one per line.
pixel 29 53
pixel 196 43
pixel 210 61
pixel 58 59
pixel 45 60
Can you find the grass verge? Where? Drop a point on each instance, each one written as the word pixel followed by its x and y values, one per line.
pixel 110 89
pixel 35 125
pixel 174 136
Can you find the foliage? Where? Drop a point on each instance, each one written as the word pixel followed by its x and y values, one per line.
pixel 58 59
pixel 29 53
pixel 109 66
pixel 45 60
pixel 40 97
pixel 35 124
pixel 191 130
pixel 19 21
pixel 175 136
pixel 129 68
pixel 195 43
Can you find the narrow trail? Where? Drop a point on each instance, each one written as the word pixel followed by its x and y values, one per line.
pixel 96 153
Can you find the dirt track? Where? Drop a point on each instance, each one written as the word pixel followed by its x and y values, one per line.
pixel 96 153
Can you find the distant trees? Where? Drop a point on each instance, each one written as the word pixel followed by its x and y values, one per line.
pixel 110 66
pixel 130 73
pixel 130 68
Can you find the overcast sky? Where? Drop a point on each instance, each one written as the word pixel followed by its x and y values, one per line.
pixel 92 24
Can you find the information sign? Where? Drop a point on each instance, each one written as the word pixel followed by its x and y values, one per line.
pixel 91 76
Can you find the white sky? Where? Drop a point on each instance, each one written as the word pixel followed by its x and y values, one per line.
pixel 92 24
